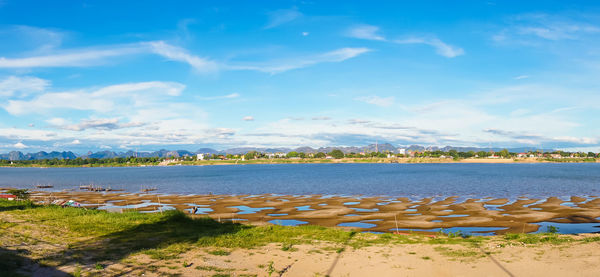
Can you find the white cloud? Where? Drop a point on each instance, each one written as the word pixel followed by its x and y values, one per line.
pixel 441 47
pixel 248 118
pixel 75 142
pixel 19 145
pixel 369 32
pixel 280 17
pixel 531 29
pixel 22 85
pixel 71 58
pixel 101 100
pixel 304 34
pixel 40 39
pixel 376 100
pixel 179 54
pixel 338 55
pixel 98 124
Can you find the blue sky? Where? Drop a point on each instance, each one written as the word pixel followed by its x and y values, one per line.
pixel 120 75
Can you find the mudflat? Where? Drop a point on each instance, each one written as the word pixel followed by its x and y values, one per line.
pixel 373 214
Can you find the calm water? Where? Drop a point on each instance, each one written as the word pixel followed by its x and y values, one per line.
pixel 412 180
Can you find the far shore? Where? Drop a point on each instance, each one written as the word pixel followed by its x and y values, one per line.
pixel 323 161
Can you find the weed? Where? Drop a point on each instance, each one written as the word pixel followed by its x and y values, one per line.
pixel 270 268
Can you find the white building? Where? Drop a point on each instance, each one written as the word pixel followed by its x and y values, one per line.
pixel 199 156
pixel 402 151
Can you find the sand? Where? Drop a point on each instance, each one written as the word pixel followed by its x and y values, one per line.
pixel 385 213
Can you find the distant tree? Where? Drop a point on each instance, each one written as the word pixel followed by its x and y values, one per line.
pixel 250 155
pixel 504 153
pixel 336 154
pixel 292 154
pixel 320 155
pixel 302 155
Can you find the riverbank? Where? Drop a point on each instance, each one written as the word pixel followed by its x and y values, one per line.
pixel 319 161
pixel 55 241
pixel 483 216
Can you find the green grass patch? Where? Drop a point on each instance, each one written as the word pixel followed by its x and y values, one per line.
pixel 550 238
pixel 212 268
pixel 219 252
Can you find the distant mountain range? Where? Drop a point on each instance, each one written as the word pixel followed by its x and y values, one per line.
pixel 163 153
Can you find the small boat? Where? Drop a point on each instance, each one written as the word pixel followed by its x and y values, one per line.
pixel 44 186
pixel 88 187
pixel 148 189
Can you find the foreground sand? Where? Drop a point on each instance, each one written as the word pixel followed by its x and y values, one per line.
pixel 396 260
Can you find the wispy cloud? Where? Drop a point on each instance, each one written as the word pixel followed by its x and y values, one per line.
pixel 99 124
pixel 521 77
pixel 376 100
pixel 22 85
pixel 275 67
pixel 528 28
pixel 248 118
pixel 369 32
pixel 102 55
pixel 441 48
pixel 179 54
pixel 280 17
pixel 71 58
pixel 228 96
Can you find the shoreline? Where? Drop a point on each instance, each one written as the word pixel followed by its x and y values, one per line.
pixel 478 216
pixel 323 161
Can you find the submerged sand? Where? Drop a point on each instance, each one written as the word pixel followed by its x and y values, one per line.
pixel 373 214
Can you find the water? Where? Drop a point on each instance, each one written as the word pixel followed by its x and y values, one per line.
pixel 471 231
pixel 357 225
pixel 410 180
pixel 287 222
pixel 569 228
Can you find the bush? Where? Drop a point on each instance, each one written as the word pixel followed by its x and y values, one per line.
pixel 22 194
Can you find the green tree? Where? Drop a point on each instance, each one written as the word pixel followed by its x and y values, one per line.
pixel 320 155
pixel 504 153
pixel 336 154
pixel 292 154
pixel 250 155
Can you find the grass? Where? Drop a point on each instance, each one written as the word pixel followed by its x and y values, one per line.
pixel 219 253
pixel 458 253
pixel 212 268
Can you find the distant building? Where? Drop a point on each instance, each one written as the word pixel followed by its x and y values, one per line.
pixel 199 156
pixel 402 151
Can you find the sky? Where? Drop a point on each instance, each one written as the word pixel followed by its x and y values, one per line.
pixel 146 75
